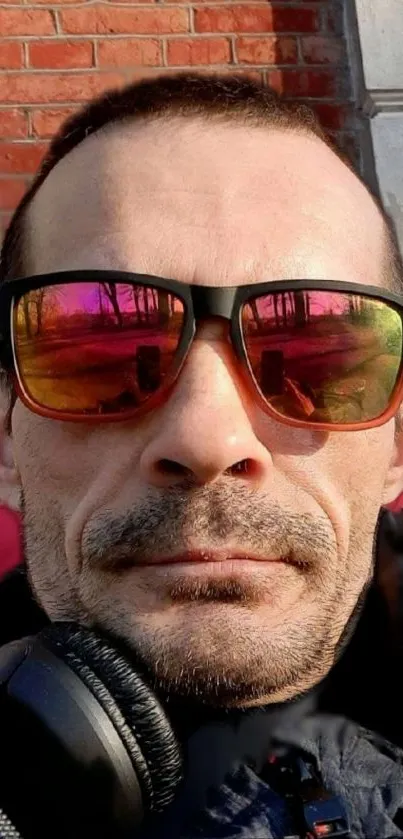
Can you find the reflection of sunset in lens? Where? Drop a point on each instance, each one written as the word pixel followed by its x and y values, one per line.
pixel 326 357
pixel 97 348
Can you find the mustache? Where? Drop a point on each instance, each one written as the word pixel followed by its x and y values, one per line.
pixel 214 517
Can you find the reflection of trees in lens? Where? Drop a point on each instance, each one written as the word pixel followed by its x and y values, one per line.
pixel 148 305
pixel 111 293
pixel 284 308
pixel 301 308
pixel 255 315
pixel 33 311
pixel 135 291
pixel 35 306
pixel 356 307
pixel 27 319
pixel 276 312
pixel 295 308
pixel 287 309
pixel 163 308
pixel 101 305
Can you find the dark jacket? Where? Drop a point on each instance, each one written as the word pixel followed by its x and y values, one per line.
pixel 369 780
pixel 364 770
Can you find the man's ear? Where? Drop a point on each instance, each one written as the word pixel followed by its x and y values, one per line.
pixel 9 478
pixel 394 478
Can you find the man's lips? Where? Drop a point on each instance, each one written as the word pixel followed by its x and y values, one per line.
pixel 218 562
pixel 204 557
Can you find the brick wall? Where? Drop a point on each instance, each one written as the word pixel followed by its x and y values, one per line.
pixel 55 55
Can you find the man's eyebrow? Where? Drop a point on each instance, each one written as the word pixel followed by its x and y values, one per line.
pixel 100 254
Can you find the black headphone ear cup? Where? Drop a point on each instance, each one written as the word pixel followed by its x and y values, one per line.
pixel 131 705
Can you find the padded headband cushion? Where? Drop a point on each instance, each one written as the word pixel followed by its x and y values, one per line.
pixel 130 704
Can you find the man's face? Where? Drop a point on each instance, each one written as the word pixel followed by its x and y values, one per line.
pixel 208 473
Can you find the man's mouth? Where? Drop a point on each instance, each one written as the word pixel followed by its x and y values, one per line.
pixel 208 556
pixel 216 562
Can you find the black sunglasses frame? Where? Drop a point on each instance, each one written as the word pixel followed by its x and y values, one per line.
pixel 200 302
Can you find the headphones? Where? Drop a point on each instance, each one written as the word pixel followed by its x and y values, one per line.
pixel 79 724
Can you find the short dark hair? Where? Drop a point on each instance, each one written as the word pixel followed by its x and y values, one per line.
pixel 225 98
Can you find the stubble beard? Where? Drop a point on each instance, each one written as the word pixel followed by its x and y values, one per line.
pixel 213 645
pixel 204 640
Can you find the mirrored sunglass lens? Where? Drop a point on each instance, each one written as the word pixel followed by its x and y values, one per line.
pixel 95 347
pixel 324 357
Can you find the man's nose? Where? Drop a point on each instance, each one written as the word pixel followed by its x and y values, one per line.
pixel 205 429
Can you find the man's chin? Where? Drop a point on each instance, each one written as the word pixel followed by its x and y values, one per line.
pixel 214 693
pixel 222 687
pixel 223 673
pixel 223 652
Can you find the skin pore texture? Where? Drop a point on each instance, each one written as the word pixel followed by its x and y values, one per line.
pixel 216 204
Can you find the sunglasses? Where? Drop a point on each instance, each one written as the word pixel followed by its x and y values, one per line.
pixel 108 345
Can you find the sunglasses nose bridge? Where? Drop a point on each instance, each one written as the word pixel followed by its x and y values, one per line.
pixel 211 302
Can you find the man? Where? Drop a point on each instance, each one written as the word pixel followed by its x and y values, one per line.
pixel 209 498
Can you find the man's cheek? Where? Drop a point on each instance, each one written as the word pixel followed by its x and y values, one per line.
pixel 359 459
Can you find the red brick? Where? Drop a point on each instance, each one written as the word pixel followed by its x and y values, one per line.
pixel 13 124
pixel 60 54
pixel 11 192
pixel 246 73
pixel 193 51
pixel 26 22
pixel 250 18
pixel 55 87
pixel 140 74
pixel 20 158
pixel 266 50
pixel 322 50
pixel 332 116
pixel 10 55
pixel 105 20
pixel 303 82
pixel 242 72
pixel 129 52
pixel 56 2
pixel 46 122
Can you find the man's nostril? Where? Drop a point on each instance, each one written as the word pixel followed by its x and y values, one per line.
pixel 242 467
pixel 172 467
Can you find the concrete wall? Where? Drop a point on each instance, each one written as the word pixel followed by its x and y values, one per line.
pixel 377 61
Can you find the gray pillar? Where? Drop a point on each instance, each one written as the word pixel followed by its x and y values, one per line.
pixel 376 57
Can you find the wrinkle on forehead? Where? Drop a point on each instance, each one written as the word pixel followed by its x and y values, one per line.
pixel 206 202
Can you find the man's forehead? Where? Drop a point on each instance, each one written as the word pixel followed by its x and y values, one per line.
pixel 206 202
